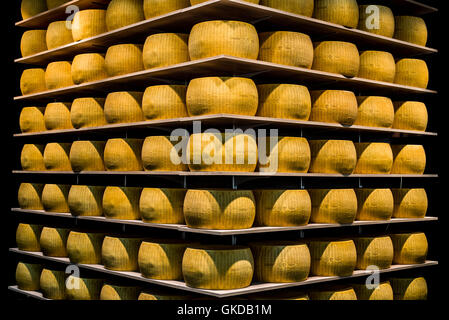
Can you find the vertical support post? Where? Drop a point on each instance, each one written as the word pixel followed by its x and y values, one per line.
pixel 301 234
pixel 234 240
pixel 185 182
pixel 400 183
pixel 234 185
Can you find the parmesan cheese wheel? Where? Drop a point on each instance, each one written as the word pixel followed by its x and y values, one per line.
pixel 56 157
pixel 123 107
pixel 411 29
pixel 409 248
pixel 123 155
pixel 88 67
pixel 30 8
pixel 333 205
pixel 53 241
pixel 281 261
pixel 214 95
pixel 344 12
pixel 51 4
pixel 162 205
pixel 410 203
pixel 58 75
pixel 27 237
pixel 32 42
pixel 154 8
pixel 409 159
pixel 410 115
pixel 123 58
pixel 336 294
pixel 383 291
pixel 377 65
pixel 333 156
pixel 32 120
pixel 88 23
pixel 113 292
pixel 52 284
pixel 287 101
pixel 54 198
pixel 213 38
pixel 121 203
pixel 57 116
pixel 164 102
pixel 301 7
pixel 412 72
pixel 120 254
pixel 218 267
pixel 332 257
pixel 159 154
pixel 219 209
pixel 28 276
pixel 83 288
pixel 160 295
pixel 376 19
pixel 32 81
pixel 29 196
pixel 121 13
pixel 334 106
pixel 84 248
pixel 31 157
pixel 337 57
pixel 375 111
pixel 374 251
pixel 165 49
pixel 87 112
pixel 58 35
pixel 87 156
pixel 409 288
pixel 86 200
pixel 374 204
pixel 373 158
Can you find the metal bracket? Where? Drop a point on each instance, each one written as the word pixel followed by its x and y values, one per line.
pixel 125 180
pixel 360 230
pixel 234 184
pixel 360 183
pixel 301 181
pixel 301 234
pixel 400 183
pixel 234 240
pixel 260 19
pixel 253 74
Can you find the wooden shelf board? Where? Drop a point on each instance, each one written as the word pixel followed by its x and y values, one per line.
pixel 33 294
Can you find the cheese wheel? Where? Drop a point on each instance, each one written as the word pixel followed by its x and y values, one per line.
pixel 165 49
pixel 83 288
pixel 123 155
pixel 409 288
pixel 409 159
pixel 409 248
pixel 219 209
pixel 32 120
pixel 281 262
pixel 51 4
pixel 87 112
pixel 58 75
pixel 383 291
pixel 57 116
pixel 27 237
pixel 58 35
pixel 377 65
pixel 164 102
pixel 410 203
pixel 223 37
pixel 113 292
pixel 410 115
pixel 344 12
pixel 88 67
pixel 28 276
pixel 32 42
pixel 56 157
pixel 412 72
pixel 31 157
pixel 32 81
pixel 335 293
pixel 87 156
pixel 373 158
pixel 160 295
pixel 287 48
pixel 120 254
pixel 374 251
pixel 121 203
pixel 333 156
pixel 88 23
pixel 411 29
pixel 162 205
pixel 54 198
pixel 301 7
pixel 218 267
pixel 334 106
pixel 52 284
pixel 337 57
pixel 374 204
pixel 121 13
pixel 333 206
pixel 30 8
pixel 84 248
pixel 376 19
pixel 29 196
pixel 159 154
pixel 375 111
pixel 332 257
pixel 154 8
pixel 214 95
pixel 86 200
pixel 53 241
pixel 123 59
pixel 123 107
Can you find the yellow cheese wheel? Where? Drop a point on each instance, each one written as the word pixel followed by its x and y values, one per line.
pixel 53 241
pixel 121 203
pixel 219 209
pixel 333 156
pixel 154 8
pixel 214 95
pixel 27 237
pixel 411 29
pixel 301 7
pixel 164 102
pixel 120 254
pixel 29 196
pixel 383 291
pixel 87 112
pixel 56 157
pixel 88 23
pixel 159 154
pixel 334 106
pixel 123 155
pixel 32 42
pixel 412 72
pixel 333 205
pixel 114 292
pixel 213 38
pixel 58 35
pixel 377 65
pixel 121 13
pixel 374 251
pixel 32 120
pixel 332 257
pixel 337 57
pixel 31 157
pixel 88 67
pixel 51 4
pixel 410 203
pixel 123 107
pixel 218 267
pixel 375 111
pixel 409 288
pixel 86 200
pixel 83 288
pixel 373 158
pixel 344 12
pixel 28 276
pixel 123 58
pixel 409 248
pixel 57 116
pixel 32 81
pixel 376 19
pixel 87 156
pixel 165 49
pixel 84 247
pixel 30 8
pixel 162 205
pixel 409 159
pixel 374 204
pixel 335 293
pixel 58 75
pixel 52 284
pixel 410 115
pixel 54 198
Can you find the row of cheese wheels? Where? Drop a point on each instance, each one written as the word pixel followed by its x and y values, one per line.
pixel 55 284
pixel 218 95
pixel 221 267
pixel 226 209
pixel 226 153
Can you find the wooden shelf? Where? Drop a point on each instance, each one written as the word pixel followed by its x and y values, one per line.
pixel 32 294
